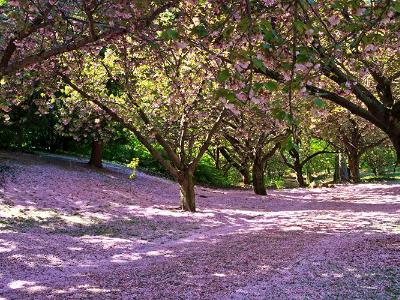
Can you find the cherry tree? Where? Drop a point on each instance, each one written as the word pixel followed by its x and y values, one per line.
pixel 345 51
pixel 85 122
pixel 352 136
pixel 34 33
pixel 253 136
pixel 305 144
pixel 166 96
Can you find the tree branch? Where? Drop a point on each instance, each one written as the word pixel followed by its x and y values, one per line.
pixel 144 140
pixel 206 144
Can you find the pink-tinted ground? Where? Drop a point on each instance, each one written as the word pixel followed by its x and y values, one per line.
pixel 69 232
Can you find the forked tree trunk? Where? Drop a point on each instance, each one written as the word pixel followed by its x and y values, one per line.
pixel 258 179
pixel 187 194
pixel 96 155
pixel 354 165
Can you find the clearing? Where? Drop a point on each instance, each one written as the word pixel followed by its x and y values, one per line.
pixel 71 232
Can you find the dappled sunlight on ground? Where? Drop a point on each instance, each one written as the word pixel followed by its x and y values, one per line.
pixel 68 231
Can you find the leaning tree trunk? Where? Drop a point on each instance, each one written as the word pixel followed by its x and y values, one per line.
pixel 187 194
pixel 258 179
pixel 96 155
pixel 354 165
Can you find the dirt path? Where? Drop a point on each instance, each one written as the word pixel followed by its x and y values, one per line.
pixel 70 232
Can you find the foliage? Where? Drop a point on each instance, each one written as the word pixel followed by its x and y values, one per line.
pixel 133 165
pixel 380 160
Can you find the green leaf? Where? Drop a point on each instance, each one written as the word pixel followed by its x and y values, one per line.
pixel 269 36
pixel 169 34
pixel 227 94
pixel 289 144
pixel 396 7
pixel 300 26
pixel 301 58
pixel 223 75
pixel 200 30
pixel 257 86
pixel 265 26
pixel 279 114
pixel 319 102
pixel 244 24
pixel 259 64
pixel 271 85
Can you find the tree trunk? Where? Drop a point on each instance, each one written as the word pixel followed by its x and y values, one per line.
pixel 341 171
pixel 300 177
pixel 336 175
pixel 258 179
pixel 187 194
pixel 354 164
pixel 96 155
pixel 245 176
pixel 344 172
pixel 309 176
pixel 396 144
pixel 217 159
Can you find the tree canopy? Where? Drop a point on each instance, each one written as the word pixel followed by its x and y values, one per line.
pixel 254 81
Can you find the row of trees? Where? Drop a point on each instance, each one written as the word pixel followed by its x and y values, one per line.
pixel 181 75
pixel 67 127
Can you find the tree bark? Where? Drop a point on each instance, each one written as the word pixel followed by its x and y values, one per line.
pixel 300 177
pixel 395 138
pixel 258 179
pixel 245 176
pixel 341 172
pixel 96 155
pixel 187 193
pixel 336 175
pixel 354 165
pixel 217 159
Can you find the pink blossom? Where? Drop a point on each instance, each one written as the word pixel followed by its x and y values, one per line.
pixel 68 232
pixel 241 96
pixel 360 11
pixel 370 48
pixel 334 20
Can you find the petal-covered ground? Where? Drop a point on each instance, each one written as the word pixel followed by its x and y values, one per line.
pixel 71 232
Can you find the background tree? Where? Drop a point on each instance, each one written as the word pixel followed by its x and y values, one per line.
pixel 254 136
pixel 352 136
pixel 87 123
pixel 380 159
